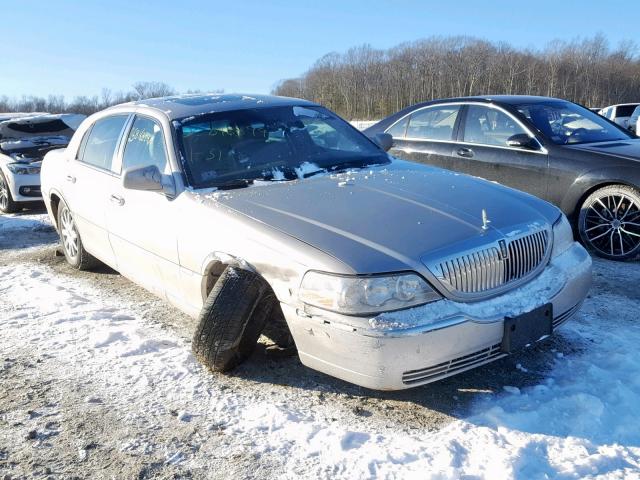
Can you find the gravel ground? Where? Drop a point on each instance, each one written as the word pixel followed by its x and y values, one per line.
pixel 58 420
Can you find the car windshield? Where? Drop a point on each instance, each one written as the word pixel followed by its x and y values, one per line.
pixel 567 123
pixel 230 149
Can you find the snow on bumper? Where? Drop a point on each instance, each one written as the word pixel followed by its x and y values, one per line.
pixel 435 340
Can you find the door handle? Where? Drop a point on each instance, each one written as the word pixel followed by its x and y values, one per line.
pixel 118 200
pixel 71 178
pixel 465 152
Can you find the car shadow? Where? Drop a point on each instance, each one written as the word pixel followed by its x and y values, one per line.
pixel 454 396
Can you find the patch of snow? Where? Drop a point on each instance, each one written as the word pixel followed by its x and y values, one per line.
pixel 305 168
pixel 580 420
pixel 512 390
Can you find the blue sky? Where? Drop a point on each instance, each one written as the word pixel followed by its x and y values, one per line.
pixel 78 47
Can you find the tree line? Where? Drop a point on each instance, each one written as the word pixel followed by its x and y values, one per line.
pixel 85 104
pixel 368 83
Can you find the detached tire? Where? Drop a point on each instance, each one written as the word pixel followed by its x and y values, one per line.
pixel 232 319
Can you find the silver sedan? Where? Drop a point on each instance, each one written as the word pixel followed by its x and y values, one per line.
pixel 261 214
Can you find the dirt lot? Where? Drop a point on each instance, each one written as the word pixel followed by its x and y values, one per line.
pixel 98 382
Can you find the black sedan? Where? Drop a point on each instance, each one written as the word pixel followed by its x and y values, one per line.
pixel 551 148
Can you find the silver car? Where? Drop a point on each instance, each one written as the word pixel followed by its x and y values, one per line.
pixel 262 214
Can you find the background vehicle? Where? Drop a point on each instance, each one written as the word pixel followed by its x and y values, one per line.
pixel 634 121
pixel 619 113
pixel 252 211
pixel 24 140
pixel 551 148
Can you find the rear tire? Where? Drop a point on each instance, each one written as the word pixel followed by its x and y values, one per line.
pixel 232 319
pixel 71 242
pixel 7 204
pixel 609 222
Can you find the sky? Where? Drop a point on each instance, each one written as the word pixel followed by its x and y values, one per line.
pixel 78 47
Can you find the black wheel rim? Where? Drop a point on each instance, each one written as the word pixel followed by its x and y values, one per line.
pixel 611 224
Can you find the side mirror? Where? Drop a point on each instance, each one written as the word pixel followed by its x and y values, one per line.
pixel 522 140
pixel 383 140
pixel 143 178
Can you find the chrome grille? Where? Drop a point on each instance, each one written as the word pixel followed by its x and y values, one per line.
pixel 475 272
pixel 560 319
pixel 452 366
pixel 488 268
pixel 525 254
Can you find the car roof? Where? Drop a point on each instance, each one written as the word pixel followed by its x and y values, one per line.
pixel 623 105
pixel 183 106
pixel 508 99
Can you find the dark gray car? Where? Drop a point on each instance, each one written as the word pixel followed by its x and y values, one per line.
pixel 554 149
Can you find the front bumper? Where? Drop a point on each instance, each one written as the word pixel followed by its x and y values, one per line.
pixel 404 349
pixel 24 188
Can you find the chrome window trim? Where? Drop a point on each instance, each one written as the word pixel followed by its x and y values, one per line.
pixel 542 151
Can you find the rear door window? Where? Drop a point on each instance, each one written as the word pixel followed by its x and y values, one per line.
pixel 433 123
pixel 399 129
pixel 102 141
pixel 625 110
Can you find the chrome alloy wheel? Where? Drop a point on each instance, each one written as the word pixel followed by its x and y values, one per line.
pixel 611 224
pixel 69 234
pixel 4 194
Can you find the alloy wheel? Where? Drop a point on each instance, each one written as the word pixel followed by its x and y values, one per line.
pixel 4 194
pixel 69 234
pixel 611 224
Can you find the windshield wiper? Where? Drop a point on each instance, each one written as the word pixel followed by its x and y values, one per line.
pixel 235 183
pixel 354 164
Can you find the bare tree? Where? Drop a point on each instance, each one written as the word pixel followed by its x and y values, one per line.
pixel 366 83
pixel 152 89
pixel 84 104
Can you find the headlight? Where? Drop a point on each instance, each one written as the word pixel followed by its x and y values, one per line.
pixel 352 295
pixel 562 236
pixel 23 169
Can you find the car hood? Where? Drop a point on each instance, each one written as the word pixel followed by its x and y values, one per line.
pixel 388 218
pixel 626 149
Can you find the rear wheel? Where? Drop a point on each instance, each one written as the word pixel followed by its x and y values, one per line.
pixel 7 205
pixel 72 245
pixel 609 222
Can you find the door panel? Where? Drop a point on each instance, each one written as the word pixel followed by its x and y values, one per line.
pixel 526 171
pixel 89 203
pixel 89 181
pixel 437 154
pixel 142 225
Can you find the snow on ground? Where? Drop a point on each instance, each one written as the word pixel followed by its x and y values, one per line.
pixel 580 420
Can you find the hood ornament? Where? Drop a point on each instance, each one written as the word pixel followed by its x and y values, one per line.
pixel 485 220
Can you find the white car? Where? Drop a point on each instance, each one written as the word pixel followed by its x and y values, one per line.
pixel 24 140
pixel 619 113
